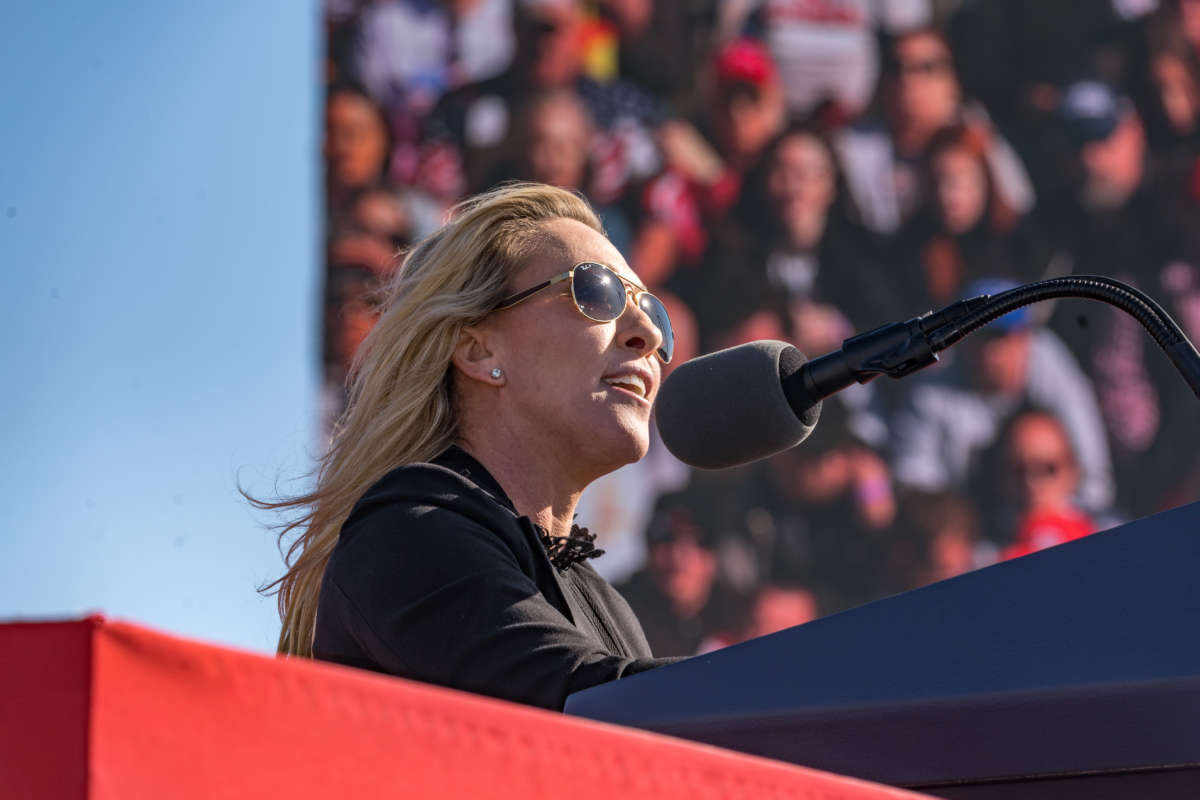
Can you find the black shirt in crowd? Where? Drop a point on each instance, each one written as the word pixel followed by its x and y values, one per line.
pixel 436 577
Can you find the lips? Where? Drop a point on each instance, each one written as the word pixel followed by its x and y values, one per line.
pixel 634 381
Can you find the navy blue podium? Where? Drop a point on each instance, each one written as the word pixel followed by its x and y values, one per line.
pixel 1072 672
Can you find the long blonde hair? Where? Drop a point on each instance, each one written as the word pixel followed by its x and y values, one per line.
pixel 401 407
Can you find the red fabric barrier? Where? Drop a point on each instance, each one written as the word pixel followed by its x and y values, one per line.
pixel 45 692
pixel 102 710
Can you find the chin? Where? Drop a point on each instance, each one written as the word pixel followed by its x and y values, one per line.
pixel 626 443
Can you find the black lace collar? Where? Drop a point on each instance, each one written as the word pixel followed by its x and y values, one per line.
pixel 575 547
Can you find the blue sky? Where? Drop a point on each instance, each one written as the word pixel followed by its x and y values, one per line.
pixel 159 285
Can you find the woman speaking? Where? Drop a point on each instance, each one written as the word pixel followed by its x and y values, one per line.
pixel 516 360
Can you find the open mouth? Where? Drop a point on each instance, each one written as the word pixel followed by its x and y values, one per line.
pixel 632 383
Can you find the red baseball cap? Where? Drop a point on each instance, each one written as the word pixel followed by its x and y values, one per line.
pixel 745 61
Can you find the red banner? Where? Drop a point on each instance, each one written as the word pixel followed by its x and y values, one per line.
pixel 102 710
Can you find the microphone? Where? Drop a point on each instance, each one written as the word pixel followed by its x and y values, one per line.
pixel 748 402
pixel 737 405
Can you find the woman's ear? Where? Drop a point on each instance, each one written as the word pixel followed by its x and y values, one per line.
pixel 475 360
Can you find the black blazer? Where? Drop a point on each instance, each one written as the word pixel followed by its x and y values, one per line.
pixel 436 577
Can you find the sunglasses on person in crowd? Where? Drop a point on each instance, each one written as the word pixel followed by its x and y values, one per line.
pixel 602 295
pixel 923 66
pixel 1039 469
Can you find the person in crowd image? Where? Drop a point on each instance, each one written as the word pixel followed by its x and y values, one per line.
pixel 776 606
pixel 1040 478
pixel 965 231
pixel 1014 56
pixel 1171 99
pixel 408 53
pixel 1122 222
pixel 705 162
pixel 473 123
pixel 357 145
pixel 516 360
pixel 827 50
pixel 552 136
pixel 832 507
pixel 920 95
pixel 790 262
pixel 349 315
pixel 658 43
pixel 940 536
pixel 376 225
pixel 680 596
pixel 950 417
pixel 550 142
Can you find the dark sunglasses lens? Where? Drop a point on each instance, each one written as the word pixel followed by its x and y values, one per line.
pixel 599 293
pixel 658 315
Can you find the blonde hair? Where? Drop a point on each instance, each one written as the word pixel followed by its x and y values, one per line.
pixel 401 406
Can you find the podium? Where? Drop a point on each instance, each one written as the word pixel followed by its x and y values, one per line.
pixel 1071 672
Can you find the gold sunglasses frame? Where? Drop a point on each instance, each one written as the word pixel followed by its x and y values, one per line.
pixel 632 291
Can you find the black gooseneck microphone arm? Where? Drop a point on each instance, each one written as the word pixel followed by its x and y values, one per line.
pixel 902 348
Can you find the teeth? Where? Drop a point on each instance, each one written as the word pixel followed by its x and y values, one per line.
pixel 633 383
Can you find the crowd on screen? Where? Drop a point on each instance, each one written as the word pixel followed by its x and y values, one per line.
pixel 804 170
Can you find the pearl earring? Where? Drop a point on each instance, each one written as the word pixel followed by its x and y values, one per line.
pixel 497 373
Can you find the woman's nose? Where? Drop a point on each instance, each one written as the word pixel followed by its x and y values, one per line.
pixel 642 335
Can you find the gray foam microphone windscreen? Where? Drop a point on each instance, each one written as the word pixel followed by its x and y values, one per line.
pixel 729 407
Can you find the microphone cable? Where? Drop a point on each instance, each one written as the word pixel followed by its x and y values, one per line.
pixel 1158 323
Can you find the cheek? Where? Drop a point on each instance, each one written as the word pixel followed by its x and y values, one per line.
pixel 556 357
pixel 962 201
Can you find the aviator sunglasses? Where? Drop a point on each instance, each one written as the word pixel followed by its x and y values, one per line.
pixel 602 295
